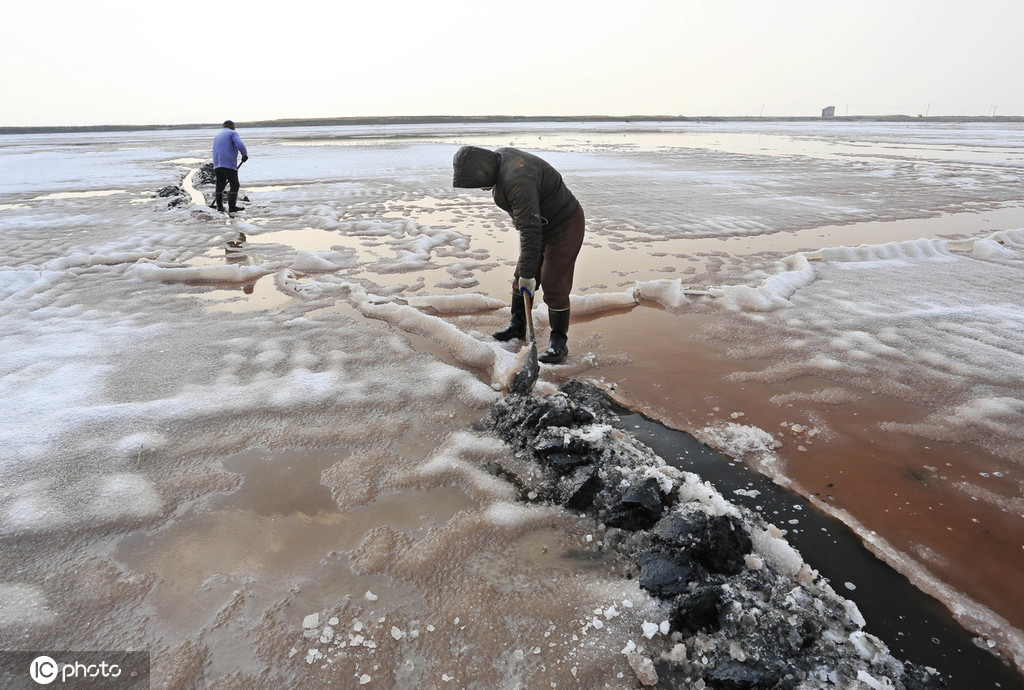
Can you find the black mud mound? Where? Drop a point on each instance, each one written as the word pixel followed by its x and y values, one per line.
pixel 746 611
pixel 176 196
pixel 204 175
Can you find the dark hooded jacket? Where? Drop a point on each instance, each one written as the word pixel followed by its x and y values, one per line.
pixel 524 186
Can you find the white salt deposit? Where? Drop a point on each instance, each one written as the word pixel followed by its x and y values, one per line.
pixel 739 441
pixel 456 304
pixel 770 545
pixel 670 293
pixel 310 262
pixel 590 305
pixel 22 604
pixel 510 514
pixel 234 273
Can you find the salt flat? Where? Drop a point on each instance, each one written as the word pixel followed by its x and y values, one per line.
pixel 156 361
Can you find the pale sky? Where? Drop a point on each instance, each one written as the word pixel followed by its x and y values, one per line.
pixel 143 62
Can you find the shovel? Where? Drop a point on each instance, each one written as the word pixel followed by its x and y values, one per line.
pixel 524 379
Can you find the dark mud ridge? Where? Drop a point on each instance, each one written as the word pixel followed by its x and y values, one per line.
pixel 747 612
pixel 203 177
pixel 175 195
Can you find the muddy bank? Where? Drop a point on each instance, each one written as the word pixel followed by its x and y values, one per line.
pixel 746 610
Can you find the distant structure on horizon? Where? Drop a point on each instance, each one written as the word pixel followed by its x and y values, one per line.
pixel 830 111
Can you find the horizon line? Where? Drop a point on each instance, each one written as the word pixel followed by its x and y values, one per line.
pixel 431 119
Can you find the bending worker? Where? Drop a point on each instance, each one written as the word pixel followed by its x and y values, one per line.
pixel 550 223
pixel 226 147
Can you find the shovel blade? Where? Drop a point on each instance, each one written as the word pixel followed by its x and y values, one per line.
pixel 526 377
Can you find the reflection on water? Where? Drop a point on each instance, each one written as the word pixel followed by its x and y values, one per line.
pixel 280 527
pixel 194 195
pixel 310 239
pixel 263 295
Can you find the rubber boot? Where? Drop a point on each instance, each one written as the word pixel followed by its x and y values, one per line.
pixel 218 201
pixel 517 326
pixel 232 203
pixel 557 350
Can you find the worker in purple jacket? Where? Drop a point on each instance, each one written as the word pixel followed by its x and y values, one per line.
pixel 226 147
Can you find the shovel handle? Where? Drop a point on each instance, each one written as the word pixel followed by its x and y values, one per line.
pixel 528 304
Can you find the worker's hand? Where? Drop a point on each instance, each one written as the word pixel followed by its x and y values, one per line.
pixel 528 284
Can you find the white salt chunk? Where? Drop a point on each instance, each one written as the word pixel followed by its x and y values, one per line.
pixel 868 680
pixel 677 655
pixel 643 668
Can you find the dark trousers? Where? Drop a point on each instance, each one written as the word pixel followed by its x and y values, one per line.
pixel 223 177
pixel 559 249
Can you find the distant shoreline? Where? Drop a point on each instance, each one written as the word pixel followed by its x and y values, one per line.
pixel 503 119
